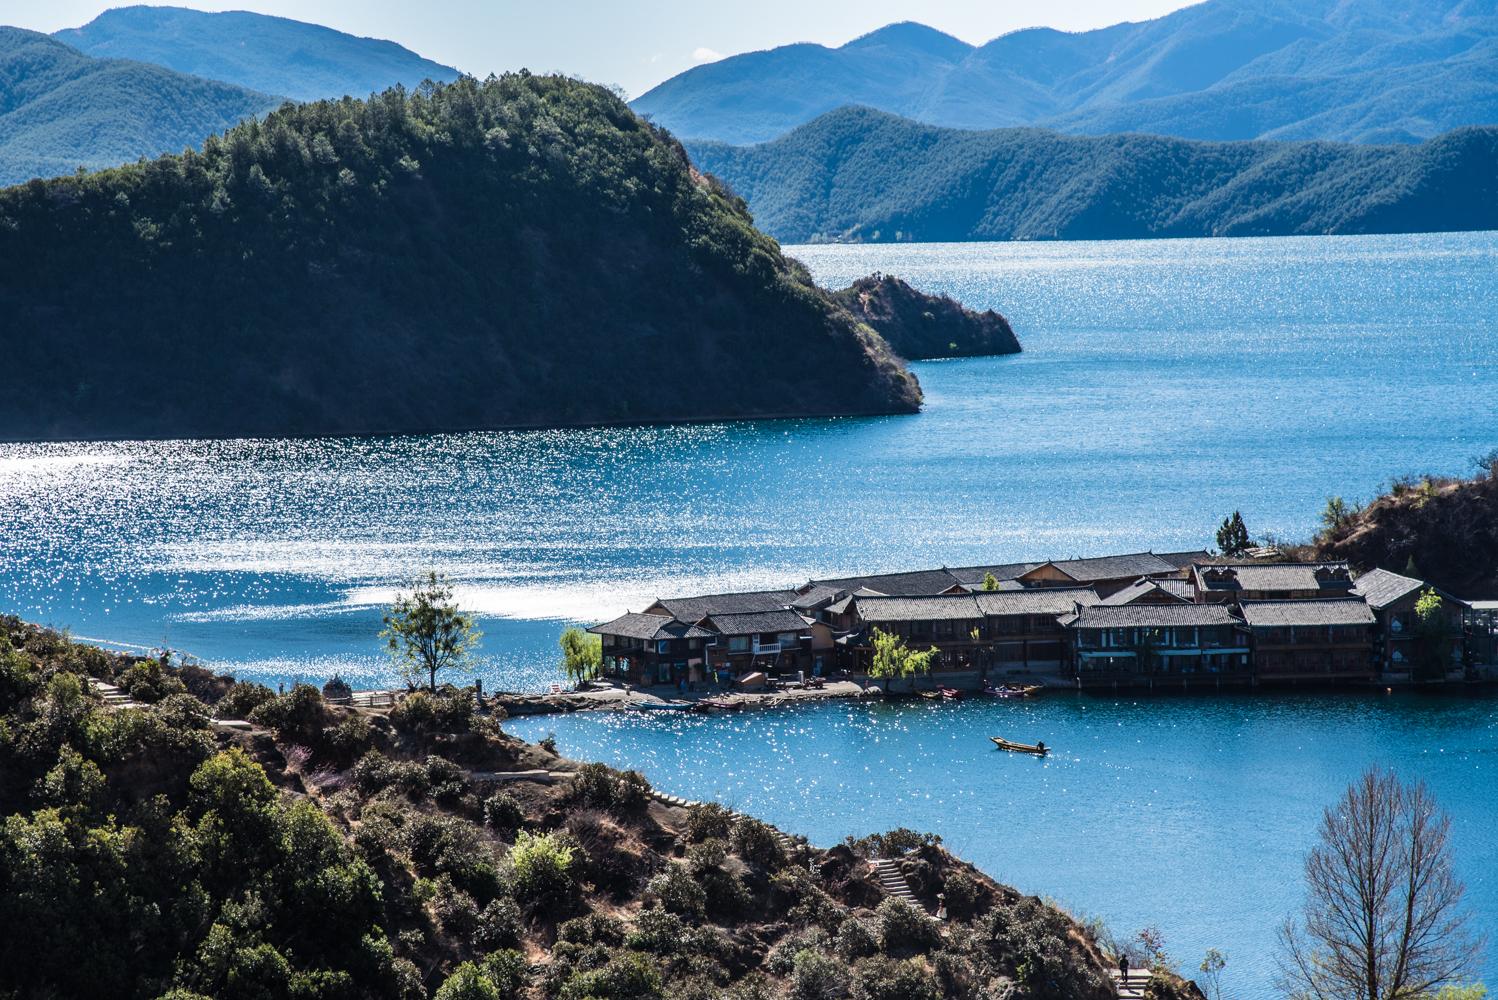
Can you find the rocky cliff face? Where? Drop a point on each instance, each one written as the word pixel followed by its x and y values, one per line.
pixel 920 326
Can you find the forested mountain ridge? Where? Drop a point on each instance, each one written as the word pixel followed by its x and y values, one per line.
pixel 61 109
pixel 1355 70
pixel 522 251
pixel 862 175
pixel 273 54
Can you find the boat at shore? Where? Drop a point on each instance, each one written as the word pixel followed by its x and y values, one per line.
pixel 948 693
pixel 1013 690
pixel 1040 749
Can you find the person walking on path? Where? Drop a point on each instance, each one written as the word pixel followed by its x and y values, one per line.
pixel 1123 968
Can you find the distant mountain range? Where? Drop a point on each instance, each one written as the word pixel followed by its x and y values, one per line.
pixel 863 175
pixel 61 109
pixel 276 55
pixel 1368 71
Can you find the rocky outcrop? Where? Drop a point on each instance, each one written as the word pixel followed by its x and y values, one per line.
pixel 918 326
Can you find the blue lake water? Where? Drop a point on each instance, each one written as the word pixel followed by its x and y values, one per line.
pixel 1163 385
pixel 1190 813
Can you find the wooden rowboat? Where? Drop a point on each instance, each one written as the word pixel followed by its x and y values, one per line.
pixel 1039 748
pixel 949 693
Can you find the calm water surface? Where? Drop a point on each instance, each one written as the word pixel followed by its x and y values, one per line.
pixel 1192 813
pixel 1163 385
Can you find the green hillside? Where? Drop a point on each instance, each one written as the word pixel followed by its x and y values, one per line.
pixel 859 174
pixel 61 109
pixel 522 251
pixel 272 54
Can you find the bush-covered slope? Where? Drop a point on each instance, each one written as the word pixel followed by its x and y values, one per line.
pixel 60 109
pixel 330 853
pixel 1391 70
pixel 917 325
pixel 518 252
pixel 273 54
pixel 1447 528
pixel 860 174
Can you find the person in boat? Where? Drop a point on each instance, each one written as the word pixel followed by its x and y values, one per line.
pixel 1040 746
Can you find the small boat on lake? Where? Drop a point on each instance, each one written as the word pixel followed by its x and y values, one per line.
pixel 657 706
pixel 948 693
pixel 1039 749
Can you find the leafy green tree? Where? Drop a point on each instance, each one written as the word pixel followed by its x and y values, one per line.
pixel 582 655
pixel 990 582
pixel 1435 638
pixel 1211 969
pixel 893 659
pixel 427 633
pixel 1232 537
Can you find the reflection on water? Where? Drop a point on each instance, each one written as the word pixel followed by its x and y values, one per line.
pixel 1163 385
pixel 1190 813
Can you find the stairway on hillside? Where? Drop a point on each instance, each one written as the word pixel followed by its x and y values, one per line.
pixel 892 881
pixel 1131 988
pixel 112 695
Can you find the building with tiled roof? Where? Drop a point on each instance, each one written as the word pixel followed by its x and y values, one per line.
pixel 1159 641
pixel 1316 640
pixel 648 649
pixel 1234 583
pixel 1398 646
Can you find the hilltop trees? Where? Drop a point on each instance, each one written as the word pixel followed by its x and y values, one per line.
pixel 426 632
pixel 1232 537
pixel 1382 918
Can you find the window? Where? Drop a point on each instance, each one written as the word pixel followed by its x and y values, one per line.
pixel 738 644
pixel 694 643
pixel 786 638
pixel 664 646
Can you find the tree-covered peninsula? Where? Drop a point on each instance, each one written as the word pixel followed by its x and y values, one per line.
pixel 519 251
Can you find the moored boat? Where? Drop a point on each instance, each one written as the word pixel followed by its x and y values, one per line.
pixel 949 693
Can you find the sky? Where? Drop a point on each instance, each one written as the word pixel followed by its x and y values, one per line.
pixel 631 45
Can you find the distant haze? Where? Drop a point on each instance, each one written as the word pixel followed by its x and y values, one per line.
pixel 635 46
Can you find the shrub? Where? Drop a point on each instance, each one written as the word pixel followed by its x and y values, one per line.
pixel 502 811
pixel 456 909
pixel 657 932
pixel 374 772
pixel 595 928
pixel 678 892
pixel 548 743
pixel 542 869
pixel 299 710
pixel 498 925
pixel 417 710
pixel 242 699
pixel 902 926
pixel 449 710
pixel 961 890
pixel 626 977
pixel 883 978
pixel 857 938
pixel 757 843
pixel 892 844
pixel 1031 942
pixel 601 786
pixel 708 820
pixel 817 977
pixel 508 971
pixel 782 958
pixel 468 982
pixel 182 711
pixel 349 736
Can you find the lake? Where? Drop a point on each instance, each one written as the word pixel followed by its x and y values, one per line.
pixel 1164 384
pixel 1190 813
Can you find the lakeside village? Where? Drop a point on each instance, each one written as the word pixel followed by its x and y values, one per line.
pixel 1169 621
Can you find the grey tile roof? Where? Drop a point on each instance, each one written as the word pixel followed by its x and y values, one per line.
pixel 754 622
pixel 1114 567
pixel 694 609
pixel 1313 612
pixel 1154 616
pixel 905 609
pixel 1146 585
pixel 841 607
pixel 930 581
pixel 635 626
pixel 1380 588
pixel 1183 560
pixel 1276 576
pixel 818 595
pixel 1037 601
pixel 972 576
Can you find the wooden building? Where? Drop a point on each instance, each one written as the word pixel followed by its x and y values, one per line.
pixel 1108 574
pixel 1112 643
pixel 776 643
pixel 1399 652
pixel 1235 583
pixel 1311 640
pixel 652 649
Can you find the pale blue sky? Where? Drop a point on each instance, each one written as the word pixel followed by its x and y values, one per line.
pixel 633 45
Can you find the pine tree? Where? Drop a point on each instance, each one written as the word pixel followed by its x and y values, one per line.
pixel 1232 537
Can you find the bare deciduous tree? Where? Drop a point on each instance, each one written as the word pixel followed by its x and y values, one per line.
pixel 1383 917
